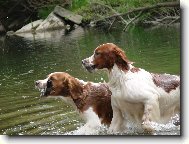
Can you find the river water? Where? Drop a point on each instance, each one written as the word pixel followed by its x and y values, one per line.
pixel 27 58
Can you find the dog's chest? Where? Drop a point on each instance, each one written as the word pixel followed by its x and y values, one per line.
pixel 131 87
pixel 126 91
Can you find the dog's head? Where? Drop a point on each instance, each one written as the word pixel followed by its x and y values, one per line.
pixel 59 84
pixel 105 56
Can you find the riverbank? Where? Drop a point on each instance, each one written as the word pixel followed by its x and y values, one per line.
pixel 102 13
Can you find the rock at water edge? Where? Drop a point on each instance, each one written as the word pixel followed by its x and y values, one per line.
pixel 68 15
pixel 29 27
pixel 50 23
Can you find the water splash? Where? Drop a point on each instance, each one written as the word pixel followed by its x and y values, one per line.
pixel 101 130
pixel 132 129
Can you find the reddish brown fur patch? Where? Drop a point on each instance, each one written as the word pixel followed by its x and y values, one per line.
pixel 75 88
pixel 167 82
pixel 99 97
pixel 107 55
pixel 134 69
pixel 59 84
pixel 104 57
pixel 121 59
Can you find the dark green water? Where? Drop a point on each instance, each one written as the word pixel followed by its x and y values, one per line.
pixel 26 59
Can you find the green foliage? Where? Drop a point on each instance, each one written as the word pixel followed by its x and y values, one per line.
pixel 45 11
pixel 77 4
pixel 90 10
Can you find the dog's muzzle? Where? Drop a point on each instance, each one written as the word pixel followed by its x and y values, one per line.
pixel 88 66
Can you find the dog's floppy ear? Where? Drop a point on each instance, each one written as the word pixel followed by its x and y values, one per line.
pixel 65 89
pixel 121 58
pixel 75 88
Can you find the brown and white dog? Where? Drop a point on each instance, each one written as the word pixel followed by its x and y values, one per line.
pixel 137 95
pixel 93 100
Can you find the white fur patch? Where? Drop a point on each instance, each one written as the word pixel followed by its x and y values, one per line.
pixel 91 59
pixel 42 83
pixel 92 123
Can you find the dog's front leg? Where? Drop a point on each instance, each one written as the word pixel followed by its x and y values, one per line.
pixel 117 121
pixel 92 125
pixel 151 113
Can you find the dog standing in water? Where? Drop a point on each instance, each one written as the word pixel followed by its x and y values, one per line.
pixel 137 95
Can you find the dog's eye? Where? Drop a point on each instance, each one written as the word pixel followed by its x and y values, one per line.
pixel 97 54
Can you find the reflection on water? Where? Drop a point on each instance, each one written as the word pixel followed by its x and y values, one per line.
pixel 26 58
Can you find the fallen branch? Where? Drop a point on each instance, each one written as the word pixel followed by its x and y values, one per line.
pixel 111 24
pixel 144 9
pixel 125 28
pixel 160 21
pixel 176 19
pixel 115 12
